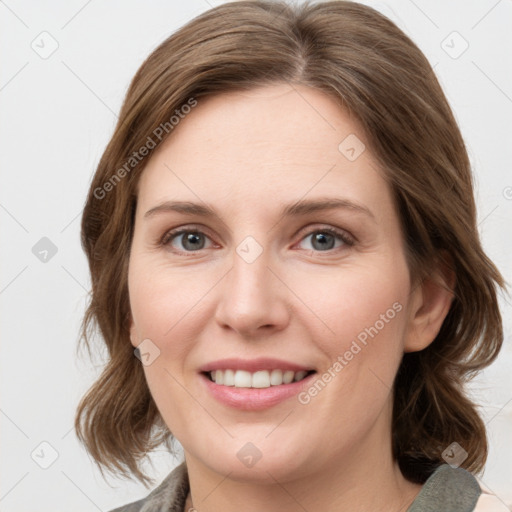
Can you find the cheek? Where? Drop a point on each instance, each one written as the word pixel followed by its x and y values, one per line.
pixel 365 310
pixel 366 304
pixel 168 308
pixel 166 311
pixel 164 300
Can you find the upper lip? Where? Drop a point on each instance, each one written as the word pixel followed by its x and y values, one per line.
pixel 253 365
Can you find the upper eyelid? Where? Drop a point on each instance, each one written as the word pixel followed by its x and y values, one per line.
pixel 308 230
pixel 175 232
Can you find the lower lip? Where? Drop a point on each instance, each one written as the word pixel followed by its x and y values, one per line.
pixel 255 399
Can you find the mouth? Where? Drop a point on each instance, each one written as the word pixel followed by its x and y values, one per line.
pixel 260 379
pixel 255 390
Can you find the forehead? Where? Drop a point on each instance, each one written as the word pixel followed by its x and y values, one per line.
pixel 282 119
pixel 280 138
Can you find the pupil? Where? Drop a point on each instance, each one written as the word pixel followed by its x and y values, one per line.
pixel 192 238
pixel 321 237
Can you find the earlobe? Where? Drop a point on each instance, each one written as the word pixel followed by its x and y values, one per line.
pixel 431 302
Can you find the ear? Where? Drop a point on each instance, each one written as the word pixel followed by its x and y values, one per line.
pixel 134 337
pixel 430 303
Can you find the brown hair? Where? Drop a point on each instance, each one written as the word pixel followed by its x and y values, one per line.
pixel 361 59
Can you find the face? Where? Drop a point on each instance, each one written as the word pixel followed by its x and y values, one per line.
pixel 246 277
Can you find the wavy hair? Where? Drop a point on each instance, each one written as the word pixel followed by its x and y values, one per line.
pixel 360 58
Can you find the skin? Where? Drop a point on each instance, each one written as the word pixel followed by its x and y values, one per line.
pixel 246 154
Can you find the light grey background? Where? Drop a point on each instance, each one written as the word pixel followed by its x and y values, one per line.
pixel 57 114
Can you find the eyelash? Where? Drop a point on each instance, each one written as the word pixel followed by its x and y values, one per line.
pixel 174 233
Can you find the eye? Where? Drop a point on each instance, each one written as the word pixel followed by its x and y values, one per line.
pixel 324 239
pixel 194 240
pixel 191 240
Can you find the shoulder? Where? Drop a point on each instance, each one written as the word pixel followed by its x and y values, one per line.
pixel 169 496
pixel 449 489
pixel 455 490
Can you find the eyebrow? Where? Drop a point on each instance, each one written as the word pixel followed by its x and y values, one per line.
pixel 301 207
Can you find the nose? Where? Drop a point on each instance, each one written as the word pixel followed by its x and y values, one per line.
pixel 252 299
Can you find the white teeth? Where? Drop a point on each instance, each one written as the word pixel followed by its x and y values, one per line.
pixel 229 377
pixel 300 375
pixel 242 379
pixel 276 377
pixel 219 377
pixel 259 379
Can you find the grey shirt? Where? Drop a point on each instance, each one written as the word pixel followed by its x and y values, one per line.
pixel 448 489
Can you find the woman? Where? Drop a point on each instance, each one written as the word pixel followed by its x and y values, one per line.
pixel 287 272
